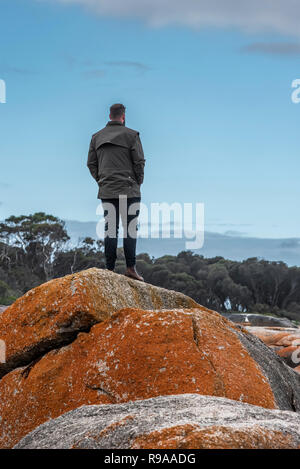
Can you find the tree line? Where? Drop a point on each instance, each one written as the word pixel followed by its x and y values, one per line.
pixel 35 248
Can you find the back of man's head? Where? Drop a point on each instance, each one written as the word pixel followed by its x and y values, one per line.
pixel 117 111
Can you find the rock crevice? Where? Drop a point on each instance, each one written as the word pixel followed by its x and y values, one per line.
pixel 99 339
pixel 52 315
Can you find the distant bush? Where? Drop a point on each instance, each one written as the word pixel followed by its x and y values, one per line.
pixel 34 249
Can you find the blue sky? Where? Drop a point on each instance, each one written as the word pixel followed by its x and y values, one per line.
pixel 210 95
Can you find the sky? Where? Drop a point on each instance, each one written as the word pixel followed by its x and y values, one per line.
pixel 207 83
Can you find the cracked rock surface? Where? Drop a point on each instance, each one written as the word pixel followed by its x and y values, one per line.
pixel 52 314
pixel 74 344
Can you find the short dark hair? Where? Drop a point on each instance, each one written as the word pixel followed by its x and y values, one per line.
pixel 117 110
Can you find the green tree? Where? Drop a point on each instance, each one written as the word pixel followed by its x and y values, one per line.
pixel 39 237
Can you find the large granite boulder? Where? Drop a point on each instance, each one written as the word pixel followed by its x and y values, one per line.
pixel 140 354
pixel 69 344
pixel 52 314
pixel 186 421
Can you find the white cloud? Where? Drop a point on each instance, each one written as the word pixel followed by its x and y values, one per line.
pixel 274 48
pixel 281 16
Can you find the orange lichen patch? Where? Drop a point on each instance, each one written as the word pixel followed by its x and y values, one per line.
pixel 215 437
pixel 238 376
pixel 114 426
pixel 285 342
pixel 287 351
pixel 54 312
pixel 276 336
pixel 291 339
pixel 268 336
pixel 134 355
pixel 106 431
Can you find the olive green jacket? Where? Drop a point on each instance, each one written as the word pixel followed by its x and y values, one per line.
pixel 116 161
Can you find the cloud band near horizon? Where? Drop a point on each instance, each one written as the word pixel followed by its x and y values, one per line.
pixel 279 16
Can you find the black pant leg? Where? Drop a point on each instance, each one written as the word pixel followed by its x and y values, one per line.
pixel 130 230
pixel 111 215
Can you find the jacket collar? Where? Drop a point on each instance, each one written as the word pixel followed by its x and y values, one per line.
pixel 114 123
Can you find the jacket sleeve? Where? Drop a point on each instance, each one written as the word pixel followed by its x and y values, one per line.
pixel 92 162
pixel 138 160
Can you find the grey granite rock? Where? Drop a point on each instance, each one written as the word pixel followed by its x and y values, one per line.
pixel 284 381
pixel 220 422
pixel 258 320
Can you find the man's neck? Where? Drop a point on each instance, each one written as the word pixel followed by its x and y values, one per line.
pixel 115 122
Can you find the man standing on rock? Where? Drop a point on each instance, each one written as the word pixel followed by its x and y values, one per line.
pixel 116 161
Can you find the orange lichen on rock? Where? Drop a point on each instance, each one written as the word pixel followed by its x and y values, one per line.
pixel 215 437
pixel 284 341
pixel 287 351
pixel 97 437
pixel 134 355
pixel 270 336
pixel 53 313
